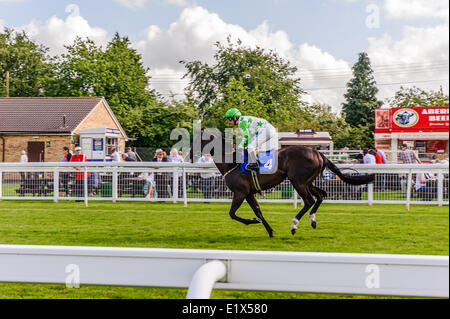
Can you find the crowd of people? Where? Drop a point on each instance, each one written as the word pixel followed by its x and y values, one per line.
pixel 160 184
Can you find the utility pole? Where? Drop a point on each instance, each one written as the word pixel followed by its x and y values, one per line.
pixel 7 83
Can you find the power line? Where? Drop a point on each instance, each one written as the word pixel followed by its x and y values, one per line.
pixel 380 84
pixel 347 70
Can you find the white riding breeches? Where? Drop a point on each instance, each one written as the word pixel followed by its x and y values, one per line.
pixel 267 140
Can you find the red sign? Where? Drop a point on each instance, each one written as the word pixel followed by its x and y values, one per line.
pixel 417 119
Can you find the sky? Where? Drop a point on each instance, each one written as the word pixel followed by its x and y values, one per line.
pixel 407 40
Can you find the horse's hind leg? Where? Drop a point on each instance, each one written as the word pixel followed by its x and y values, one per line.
pixel 251 200
pixel 320 195
pixel 308 200
pixel 238 199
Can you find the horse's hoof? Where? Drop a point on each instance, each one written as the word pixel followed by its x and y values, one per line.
pixel 314 225
pixel 293 231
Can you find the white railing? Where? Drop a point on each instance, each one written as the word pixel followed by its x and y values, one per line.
pixel 203 270
pixel 187 182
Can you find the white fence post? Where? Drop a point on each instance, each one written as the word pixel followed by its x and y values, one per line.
pixel 295 198
pixel 175 185
pixel 440 181
pixel 114 184
pixel 184 187
pixel 408 189
pixel 56 185
pixel 370 194
pixel 85 185
pixel 1 185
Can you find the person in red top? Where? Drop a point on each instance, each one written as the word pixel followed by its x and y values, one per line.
pixel 379 158
pixel 79 176
pixel 380 181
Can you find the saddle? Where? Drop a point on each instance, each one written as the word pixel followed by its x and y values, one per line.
pixel 267 165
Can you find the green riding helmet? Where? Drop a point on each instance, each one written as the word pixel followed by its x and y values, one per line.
pixel 233 113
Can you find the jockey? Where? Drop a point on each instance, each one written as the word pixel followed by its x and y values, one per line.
pixel 258 136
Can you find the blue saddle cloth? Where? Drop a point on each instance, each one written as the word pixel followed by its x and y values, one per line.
pixel 267 162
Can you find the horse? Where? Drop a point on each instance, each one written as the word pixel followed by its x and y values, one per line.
pixel 299 164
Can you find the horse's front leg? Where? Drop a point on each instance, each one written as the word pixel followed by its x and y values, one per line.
pixel 251 200
pixel 238 199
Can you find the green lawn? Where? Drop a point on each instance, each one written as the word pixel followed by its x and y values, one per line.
pixel 341 228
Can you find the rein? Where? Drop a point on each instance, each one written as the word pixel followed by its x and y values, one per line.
pixel 225 175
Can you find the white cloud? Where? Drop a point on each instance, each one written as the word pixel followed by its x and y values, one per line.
pixel 193 35
pixel 180 3
pixel 131 4
pixel 56 32
pixel 420 55
pixel 416 9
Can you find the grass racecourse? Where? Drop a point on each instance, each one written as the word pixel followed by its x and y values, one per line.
pixel 345 228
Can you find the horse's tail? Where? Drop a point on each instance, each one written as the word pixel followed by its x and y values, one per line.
pixel 350 179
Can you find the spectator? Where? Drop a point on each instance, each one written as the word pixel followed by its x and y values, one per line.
pixel 131 154
pixel 175 157
pixel 380 157
pixel 380 179
pixel 65 176
pixel 207 179
pixel 94 183
pixel 127 158
pixel 408 156
pixel 161 179
pixel 149 188
pixel 360 158
pixel 79 176
pixel 425 186
pixel 369 157
pixel 23 159
pixel 115 155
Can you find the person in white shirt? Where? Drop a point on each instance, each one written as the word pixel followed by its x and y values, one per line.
pixel 369 157
pixel 424 186
pixel 174 157
pixel 207 179
pixel 23 159
pixel 115 155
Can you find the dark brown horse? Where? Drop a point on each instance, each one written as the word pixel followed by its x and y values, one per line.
pixel 301 165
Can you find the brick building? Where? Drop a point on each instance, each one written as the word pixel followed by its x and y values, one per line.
pixel 43 126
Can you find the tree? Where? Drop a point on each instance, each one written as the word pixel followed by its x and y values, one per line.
pixel 416 97
pixel 246 78
pixel 320 118
pixel 361 100
pixel 159 119
pixel 117 73
pixel 354 138
pixel 26 62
